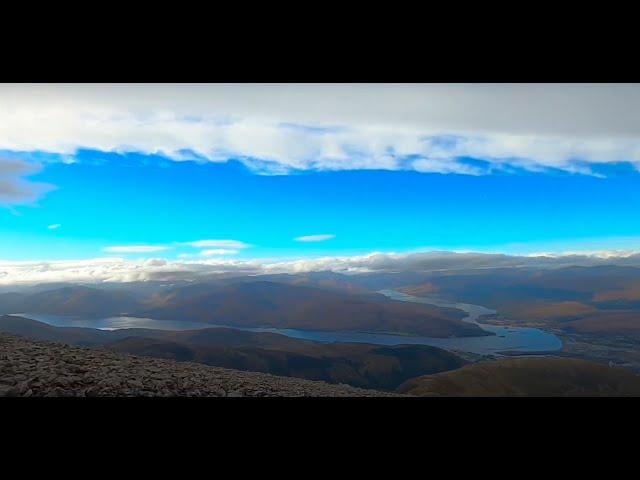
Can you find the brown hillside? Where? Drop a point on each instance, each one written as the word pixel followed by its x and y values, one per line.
pixel 270 304
pixel 528 377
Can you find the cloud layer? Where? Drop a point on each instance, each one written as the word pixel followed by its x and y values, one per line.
pixel 279 128
pixel 123 270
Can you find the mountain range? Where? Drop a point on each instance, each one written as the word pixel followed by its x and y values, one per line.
pixel 254 303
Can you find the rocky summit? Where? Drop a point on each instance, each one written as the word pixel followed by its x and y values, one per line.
pixel 45 369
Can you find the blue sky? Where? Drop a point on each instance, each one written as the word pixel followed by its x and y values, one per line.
pixel 224 174
pixel 104 200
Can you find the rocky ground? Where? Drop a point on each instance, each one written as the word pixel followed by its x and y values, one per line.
pixel 30 368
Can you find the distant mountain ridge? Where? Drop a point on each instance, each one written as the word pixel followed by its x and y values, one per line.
pixel 251 303
pixel 70 300
pixel 279 305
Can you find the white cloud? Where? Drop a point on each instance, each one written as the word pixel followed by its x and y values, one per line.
pixel 314 238
pixel 276 128
pixel 218 251
pixel 231 244
pixel 54 226
pixel 135 249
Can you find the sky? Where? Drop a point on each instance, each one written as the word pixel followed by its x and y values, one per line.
pixel 231 175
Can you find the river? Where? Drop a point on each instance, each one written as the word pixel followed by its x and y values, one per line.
pixel 515 339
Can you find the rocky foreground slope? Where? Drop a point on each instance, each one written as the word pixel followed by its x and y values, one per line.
pixel 30 368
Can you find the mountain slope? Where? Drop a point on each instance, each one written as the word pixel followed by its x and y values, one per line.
pixel 528 377
pixel 271 304
pixel 33 329
pixel 360 365
pixel 70 300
